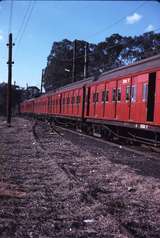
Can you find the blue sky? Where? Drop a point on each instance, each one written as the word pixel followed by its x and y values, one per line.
pixel 56 20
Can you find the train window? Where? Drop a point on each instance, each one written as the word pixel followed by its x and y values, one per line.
pixel 127 93
pixel 105 96
pixel 97 97
pixel 78 99
pixel 73 100
pixel 133 93
pixel 114 94
pixel 119 94
pixel 145 92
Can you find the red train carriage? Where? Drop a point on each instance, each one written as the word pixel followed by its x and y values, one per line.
pixel 55 104
pixel 27 106
pixel 71 102
pixel 127 97
pixel 128 94
pixel 67 101
pixel 41 105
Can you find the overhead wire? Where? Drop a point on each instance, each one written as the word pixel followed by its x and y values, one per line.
pixel 25 25
pixel 23 21
pixel 117 21
pixel 107 28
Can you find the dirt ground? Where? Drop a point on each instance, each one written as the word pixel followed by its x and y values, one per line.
pixel 64 185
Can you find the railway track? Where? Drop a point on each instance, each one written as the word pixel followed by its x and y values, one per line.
pixel 150 151
pixel 91 195
pixel 73 168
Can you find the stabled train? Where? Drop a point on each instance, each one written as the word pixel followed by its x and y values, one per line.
pixel 125 100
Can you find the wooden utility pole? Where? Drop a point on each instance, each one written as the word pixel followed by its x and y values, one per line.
pixel 86 61
pixel 74 62
pixel 9 88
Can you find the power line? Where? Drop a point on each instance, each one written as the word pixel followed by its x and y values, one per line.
pixel 23 21
pixel 25 25
pixel 108 27
pixel 116 22
pixel 10 17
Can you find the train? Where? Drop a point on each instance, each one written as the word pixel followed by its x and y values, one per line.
pixel 124 101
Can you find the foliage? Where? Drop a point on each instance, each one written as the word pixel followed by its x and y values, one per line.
pixel 18 95
pixel 115 51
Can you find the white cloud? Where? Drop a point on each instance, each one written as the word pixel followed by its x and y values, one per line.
pixel 150 27
pixel 133 18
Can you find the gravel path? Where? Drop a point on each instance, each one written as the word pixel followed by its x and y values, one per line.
pixel 67 186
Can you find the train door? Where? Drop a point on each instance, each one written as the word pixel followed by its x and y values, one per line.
pixel 55 104
pixel 74 107
pixel 76 102
pixel 54 111
pixel 157 99
pixel 151 96
pixel 83 101
pixel 62 103
pixel 72 102
pixel 138 106
pixel 133 100
pixel 105 99
pixel 67 103
pixel 112 99
pixel 92 101
pixel 88 101
pixel 59 103
pixel 50 104
pixel 99 108
pixel 123 99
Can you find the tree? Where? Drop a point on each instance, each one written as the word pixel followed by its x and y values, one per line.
pixel 114 52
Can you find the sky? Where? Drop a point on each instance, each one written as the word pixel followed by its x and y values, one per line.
pixel 35 25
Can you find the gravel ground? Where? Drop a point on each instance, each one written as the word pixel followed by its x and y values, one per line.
pixel 65 185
